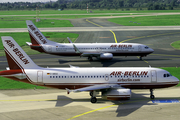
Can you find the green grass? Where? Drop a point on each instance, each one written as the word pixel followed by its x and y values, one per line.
pixel 176 45
pixel 11 84
pixel 163 20
pixel 6 83
pixel 24 37
pixel 21 23
pixel 76 11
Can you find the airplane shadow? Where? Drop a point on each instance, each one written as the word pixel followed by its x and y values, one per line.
pixel 104 63
pixel 125 107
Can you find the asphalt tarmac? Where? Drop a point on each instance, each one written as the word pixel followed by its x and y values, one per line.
pixel 53 104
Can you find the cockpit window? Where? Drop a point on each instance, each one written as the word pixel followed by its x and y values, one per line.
pixel 167 75
pixel 146 47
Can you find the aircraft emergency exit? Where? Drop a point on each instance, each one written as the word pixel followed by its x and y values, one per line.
pixel 113 83
pixel 98 50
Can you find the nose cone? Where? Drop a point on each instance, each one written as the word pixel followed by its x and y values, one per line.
pixel 175 79
pixel 151 50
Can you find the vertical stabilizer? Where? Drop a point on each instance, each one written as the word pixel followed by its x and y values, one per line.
pixel 16 57
pixel 37 38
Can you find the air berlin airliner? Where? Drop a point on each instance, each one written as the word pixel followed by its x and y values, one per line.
pixel 98 50
pixel 113 83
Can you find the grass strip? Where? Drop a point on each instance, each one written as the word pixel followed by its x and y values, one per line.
pixel 8 22
pixel 22 38
pixel 83 11
pixel 176 45
pixel 162 20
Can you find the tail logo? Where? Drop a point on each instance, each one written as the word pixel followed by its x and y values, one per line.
pixel 37 34
pixel 17 52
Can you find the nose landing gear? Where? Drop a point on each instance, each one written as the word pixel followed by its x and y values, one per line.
pixel 151 94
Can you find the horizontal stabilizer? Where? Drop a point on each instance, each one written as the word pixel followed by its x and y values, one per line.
pixel 71 66
pixel 28 43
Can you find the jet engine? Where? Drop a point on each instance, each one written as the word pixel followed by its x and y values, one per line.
pixel 107 56
pixel 117 94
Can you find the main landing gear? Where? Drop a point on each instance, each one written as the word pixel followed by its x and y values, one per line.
pixel 151 94
pixel 90 58
pixel 93 96
pixel 140 58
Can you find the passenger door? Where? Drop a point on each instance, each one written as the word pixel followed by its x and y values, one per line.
pixel 153 76
pixel 40 76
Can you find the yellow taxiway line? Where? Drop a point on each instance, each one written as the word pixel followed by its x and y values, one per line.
pixel 102 26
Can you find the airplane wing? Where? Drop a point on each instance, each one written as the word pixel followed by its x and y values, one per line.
pixel 95 87
pixel 91 54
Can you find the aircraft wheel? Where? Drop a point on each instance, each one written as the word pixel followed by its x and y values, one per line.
pixel 140 58
pixel 93 100
pixel 90 59
pixel 152 96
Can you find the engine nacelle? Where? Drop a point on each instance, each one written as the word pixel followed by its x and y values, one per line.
pixel 107 56
pixel 117 94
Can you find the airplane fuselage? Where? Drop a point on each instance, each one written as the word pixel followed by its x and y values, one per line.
pixel 74 78
pixel 117 49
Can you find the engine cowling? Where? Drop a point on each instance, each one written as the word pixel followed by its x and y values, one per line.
pixel 117 94
pixel 106 56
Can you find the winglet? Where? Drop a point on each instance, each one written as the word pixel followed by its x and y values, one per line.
pixel 76 49
pixel 69 40
pixel 68 90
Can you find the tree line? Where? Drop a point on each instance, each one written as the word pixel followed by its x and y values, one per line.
pixel 94 4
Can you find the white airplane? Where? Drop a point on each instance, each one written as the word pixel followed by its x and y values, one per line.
pixel 99 50
pixel 113 83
